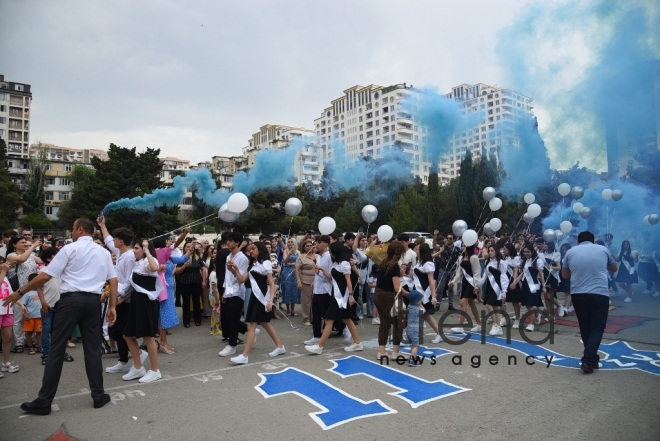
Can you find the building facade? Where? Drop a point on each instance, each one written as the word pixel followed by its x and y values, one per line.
pixel 15 100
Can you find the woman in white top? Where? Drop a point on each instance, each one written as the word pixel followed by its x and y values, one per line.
pixel 259 278
pixel 144 314
pixel 469 270
pixel 23 263
pixel 495 273
pixel 425 284
pixel 552 266
pixel 514 294
pixel 532 283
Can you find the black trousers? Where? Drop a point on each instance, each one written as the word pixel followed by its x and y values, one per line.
pixel 591 311
pixel 191 291
pixel 84 310
pixel 320 303
pixel 234 307
pixel 116 331
pixel 223 315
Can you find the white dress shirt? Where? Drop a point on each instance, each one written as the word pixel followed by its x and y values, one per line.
pixel 233 288
pixel 322 284
pixel 83 266
pixel 125 264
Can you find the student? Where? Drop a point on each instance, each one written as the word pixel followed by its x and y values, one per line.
pixel 234 295
pixel 495 269
pixel 533 282
pixel 322 288
pixel 143 317
pixel 513 294
pixel 627 275
pixel 415 299
pixel 6 322
pixel 31 306
pixel 469 270
pixel 342 298
pixel 552 265
pixel 425 283
pixel 259 278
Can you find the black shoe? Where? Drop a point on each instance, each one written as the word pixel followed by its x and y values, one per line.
pixel 43 360
pixel 35 408
pixel 587 368
pixel 225 339
pixel 450 308
pixel 594 366
pixel 239 341
pixel 105 399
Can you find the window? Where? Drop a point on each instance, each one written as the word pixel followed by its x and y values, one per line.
pixel 68 167
pixel 64 195
pixel 64 181
pixel 18 87
pixel 48 195
pixel 49 210
pixel 4 97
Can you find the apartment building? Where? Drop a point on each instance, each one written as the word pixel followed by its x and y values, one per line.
pixel 374 120
pixel 15 99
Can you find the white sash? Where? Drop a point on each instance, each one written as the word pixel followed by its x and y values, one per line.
pixel 468 278
pixel 631 270
pixel 342 300
pixel 256 291
pixel 493 284
pixel 654 257
pixel 153 295
pixel 420 288
pixel 533 286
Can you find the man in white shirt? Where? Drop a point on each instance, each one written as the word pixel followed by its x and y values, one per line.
pixel 234 295
pixel 119 244
pixel 322 288
pixel 83 268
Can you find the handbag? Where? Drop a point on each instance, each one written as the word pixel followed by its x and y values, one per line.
pixel 13 280
pixel 394 311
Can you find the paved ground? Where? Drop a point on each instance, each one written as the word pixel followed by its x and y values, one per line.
pixel 203 396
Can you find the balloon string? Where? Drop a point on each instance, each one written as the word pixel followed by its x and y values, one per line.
pixel 189 225
pixel 290 225
pixel 514 230
pixel 485 222
pixel 482 212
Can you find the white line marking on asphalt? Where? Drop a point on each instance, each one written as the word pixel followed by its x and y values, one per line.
pixel 167 378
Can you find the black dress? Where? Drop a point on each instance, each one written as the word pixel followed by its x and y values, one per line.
pixel 467 290
pixel 564 284
pixel 258 282
pixel 530 298
pixel 624 275
pixel 513 295
pixel 491 295
pixel 422 279
pixel 551 282
pixel 339 288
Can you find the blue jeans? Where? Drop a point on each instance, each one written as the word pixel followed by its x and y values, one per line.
pixel 46 326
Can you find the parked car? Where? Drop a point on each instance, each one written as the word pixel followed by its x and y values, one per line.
pixel 413 235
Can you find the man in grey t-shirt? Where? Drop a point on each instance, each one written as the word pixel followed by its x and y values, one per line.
pixel 586 265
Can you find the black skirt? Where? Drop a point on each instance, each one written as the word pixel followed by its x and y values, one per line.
pixel 491 297
pixel 550 281
pixel 467 290
pixel 564 285
pixel 528 298
pixel 143 316
pixel 623 276
pixel 257 313
pixel 334 312
pixel 514 295
pixel 429 307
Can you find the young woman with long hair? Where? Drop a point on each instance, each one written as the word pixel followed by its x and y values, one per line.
pixel 551 268
pixel 425 284
pixel 627 275
pixel 469 270
pixel 388 283
pixel 532 282
pixel 497 285
pixel 514 294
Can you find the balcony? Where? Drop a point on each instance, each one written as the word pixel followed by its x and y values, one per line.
pixel 404 118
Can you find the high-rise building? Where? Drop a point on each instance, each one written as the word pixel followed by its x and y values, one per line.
pixel 15 99
pixel 373 120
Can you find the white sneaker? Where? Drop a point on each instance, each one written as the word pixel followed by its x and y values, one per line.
pixel 9 367
pixel 277 351
pixel 476 329
pixel 229 350
pixel 457 330
pixel 496 330
pixel 530 327
pixel 657 294
pixel 628 300
pixel 437 339
pixel 563 312
pixel 118 368
pixel 314 349
pixel 516 324
pixel 312 341
pixel 134 373
pixel 150 376
pixel 502 321
pixel 239 359
pixel 489 321
pixel 646 291
pixel 570 309
pixel 375 321
pixel 354 347
pixel 347 335
pixel 143 357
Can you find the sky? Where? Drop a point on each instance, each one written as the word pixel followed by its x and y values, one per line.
pixel 197 79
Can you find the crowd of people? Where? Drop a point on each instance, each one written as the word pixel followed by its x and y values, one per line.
pixel 332 281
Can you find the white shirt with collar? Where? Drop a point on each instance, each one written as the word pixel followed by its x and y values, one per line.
pixel 322 284
pixel 125 264
pixel 83 266
pixel 233 288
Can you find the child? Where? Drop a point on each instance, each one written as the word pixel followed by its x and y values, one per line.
pixel 371 281
pixel 6 321
pixel 414 308
pixel 214 300
pixel 31 306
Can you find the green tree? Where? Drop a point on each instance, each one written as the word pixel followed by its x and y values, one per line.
pixel 348 217
pixel 34 196
pixel 467 203
pixel 37 221
pixel 11 198
pixel 402 217
pixel 433 200
pixel 647 173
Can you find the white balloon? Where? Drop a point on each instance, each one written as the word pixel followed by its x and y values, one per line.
pixel 564 189
pixel 470 237
pixel 534 210
pixel 653 219
pixel 459 227
pixel 559 235
pixel 385 233
pixel 237 203
pixel 577 207
pixel 566 227
pixel 488 231
pixel 606 194
pixel 527 218
pixel 489 193
pixel 529 198
pixel 549 235
pixel 617 195
pixel 646 220
pixel 327 225
pixel 369 213
pixel 227 216
pixel 293 207
pixel 495 204
pixel 495 224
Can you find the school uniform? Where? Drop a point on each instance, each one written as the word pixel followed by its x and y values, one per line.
pixel 513 295
pixel 498 283
pixel 258 283
pixel 338 309
pixel 627 270
pixel 551 275
pixel 144 313
pixel 530 285
pixel 422 284
pixel 470 272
